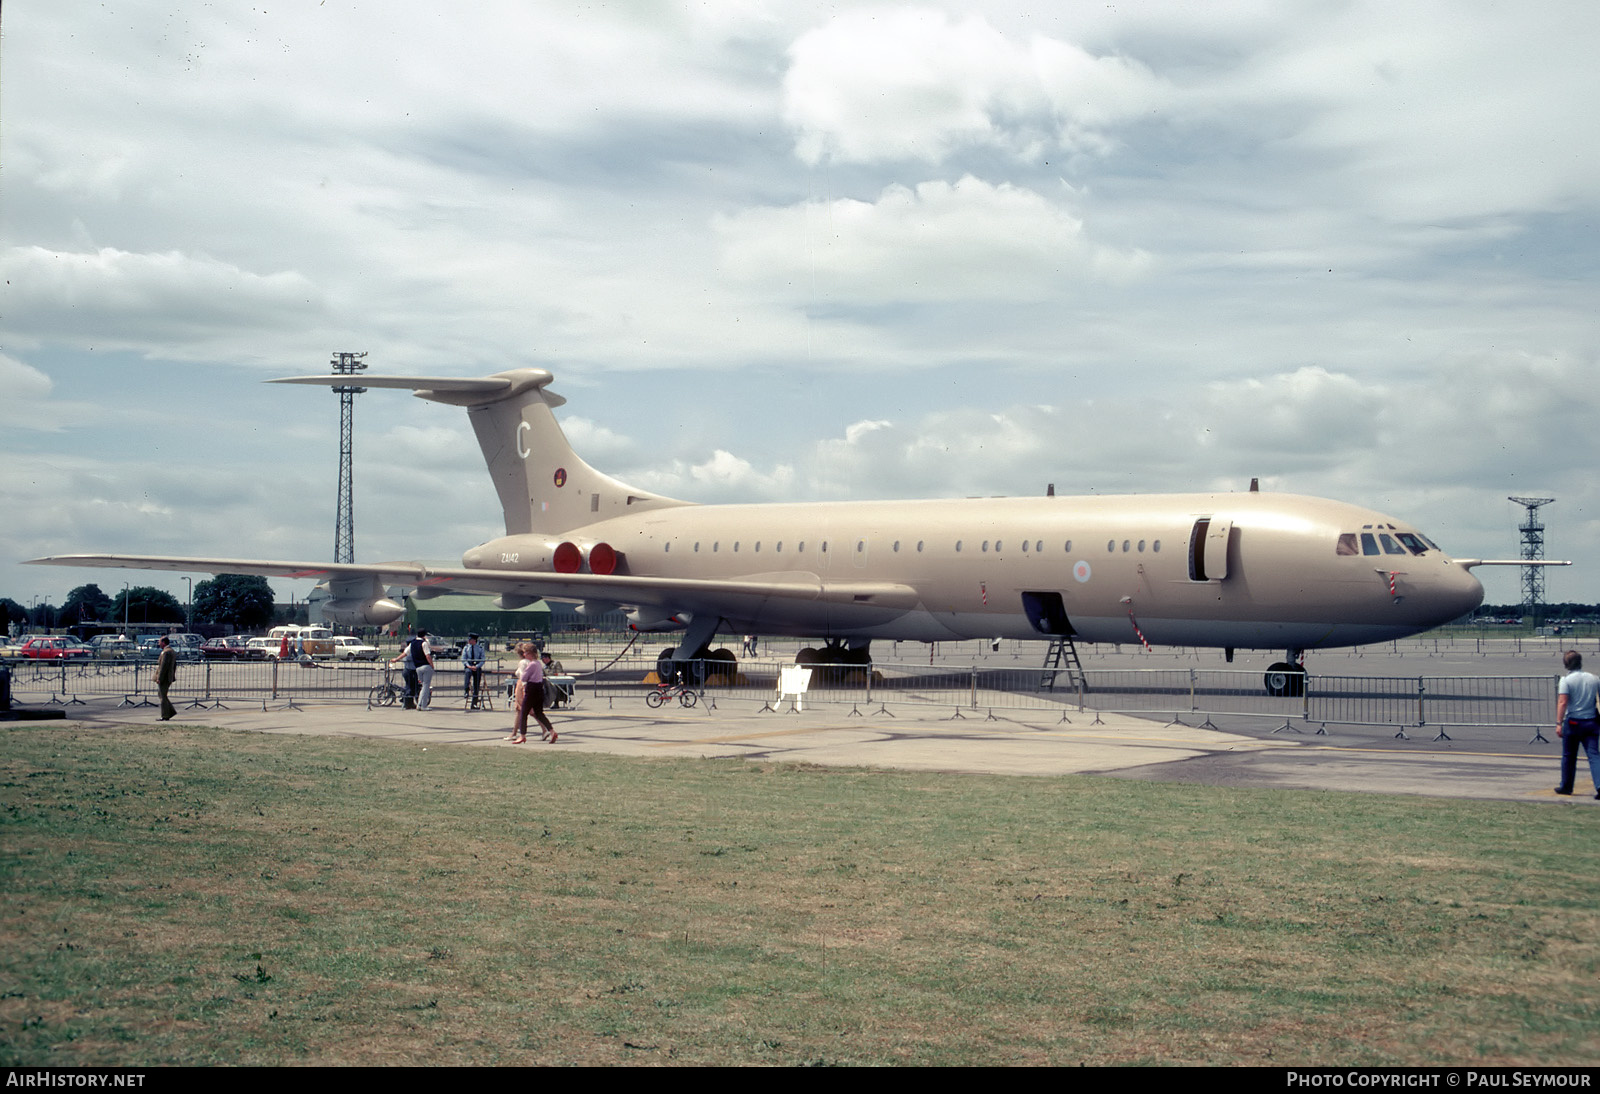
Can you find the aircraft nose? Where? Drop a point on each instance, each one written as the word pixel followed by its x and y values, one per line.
pixel 1457 593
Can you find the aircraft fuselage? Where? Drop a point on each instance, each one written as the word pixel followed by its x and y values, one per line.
pixel 1245 570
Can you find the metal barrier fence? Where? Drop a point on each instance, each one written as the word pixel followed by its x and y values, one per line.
pixel 1414 702
pixel 1401 702
pixel 1440 701
pixel 217 683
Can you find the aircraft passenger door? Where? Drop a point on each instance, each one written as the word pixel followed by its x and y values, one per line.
pixel 1217 549
pixel 858 553
pixel 1047 613
pixel 1208 549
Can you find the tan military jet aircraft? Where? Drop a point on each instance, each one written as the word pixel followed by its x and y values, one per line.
pixel 1252 570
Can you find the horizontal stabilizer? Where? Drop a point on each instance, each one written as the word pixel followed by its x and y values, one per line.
pixel 455 390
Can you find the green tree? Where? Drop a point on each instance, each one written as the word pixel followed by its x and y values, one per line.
pixel 239 600
pixel 86 604
pixel 11 612
pixel 146 604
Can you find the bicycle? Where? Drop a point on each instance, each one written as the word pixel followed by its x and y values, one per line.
pixel 664 692
pixel 388 693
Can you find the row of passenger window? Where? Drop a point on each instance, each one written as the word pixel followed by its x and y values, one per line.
pixel 716 545
pixel 1028 546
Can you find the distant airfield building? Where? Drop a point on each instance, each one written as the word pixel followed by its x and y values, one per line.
pixel 457 615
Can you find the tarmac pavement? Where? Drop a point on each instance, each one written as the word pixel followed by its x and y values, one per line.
pixel 934 739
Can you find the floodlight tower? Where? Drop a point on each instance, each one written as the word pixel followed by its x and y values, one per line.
pixel 344 529
pixel 1532 551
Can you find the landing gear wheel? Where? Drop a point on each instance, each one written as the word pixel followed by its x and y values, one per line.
pixel 723 663
pixel 666 667
pixel 1285 678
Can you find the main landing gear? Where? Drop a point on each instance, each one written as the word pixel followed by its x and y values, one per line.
pixel 842 656
pixel 695 670
pixel 836 652
pixel 1286 677
pixel 844 660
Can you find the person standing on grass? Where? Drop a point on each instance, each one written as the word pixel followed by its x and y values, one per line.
pixel 1577 721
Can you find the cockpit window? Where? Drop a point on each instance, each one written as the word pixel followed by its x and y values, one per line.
pixel 1414 542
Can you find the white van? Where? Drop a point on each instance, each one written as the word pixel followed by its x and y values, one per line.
pixel 318 641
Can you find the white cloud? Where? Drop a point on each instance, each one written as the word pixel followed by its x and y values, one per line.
pixel 1428 113
pixel 1429 446
pixel 911 84
pixel 600 447
pixel 24 394
pixel 939 241
pixel 719 478
pixel 1276 415
pixel 116 298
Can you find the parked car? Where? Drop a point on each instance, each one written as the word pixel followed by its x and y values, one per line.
pixel 55 648
pixel 113 647
pixel 262 649
pixel 444 649
pixel 11 648
pixel 234 648
pixel 187 645
pixel 349 648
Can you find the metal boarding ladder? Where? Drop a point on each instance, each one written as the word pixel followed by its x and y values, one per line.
pixel 1062 656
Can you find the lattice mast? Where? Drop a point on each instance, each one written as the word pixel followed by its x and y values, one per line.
pixel 1532 550
pixel 344 529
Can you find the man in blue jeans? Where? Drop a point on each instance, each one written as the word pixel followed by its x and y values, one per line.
pixel 1577 721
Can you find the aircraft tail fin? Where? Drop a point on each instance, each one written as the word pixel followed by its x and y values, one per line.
pixel 544 486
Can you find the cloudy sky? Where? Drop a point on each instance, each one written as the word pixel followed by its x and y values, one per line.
pixel 774 250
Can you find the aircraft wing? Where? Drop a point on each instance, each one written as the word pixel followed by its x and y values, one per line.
pixel 665 592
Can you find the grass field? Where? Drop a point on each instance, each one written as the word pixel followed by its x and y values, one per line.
pixel 181 895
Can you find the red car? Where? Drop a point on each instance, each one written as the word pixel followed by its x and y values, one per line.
pixel 55 648
pixel 230 649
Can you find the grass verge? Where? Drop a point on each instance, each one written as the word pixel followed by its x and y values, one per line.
pixel 181 895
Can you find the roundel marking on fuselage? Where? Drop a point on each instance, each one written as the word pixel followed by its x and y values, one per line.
pixel 1080 570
